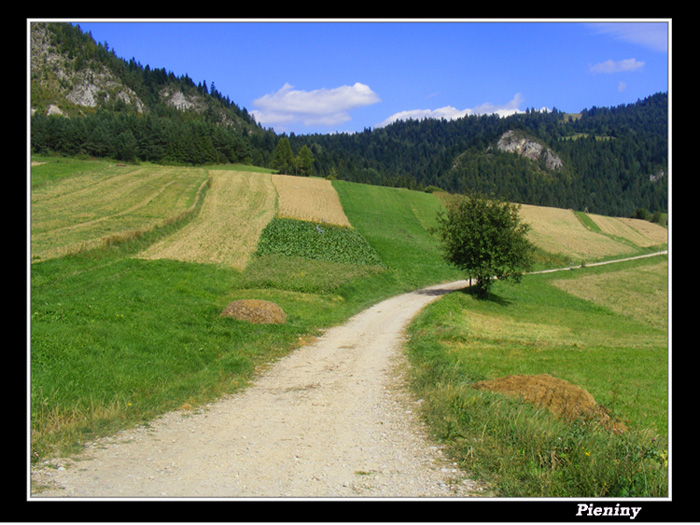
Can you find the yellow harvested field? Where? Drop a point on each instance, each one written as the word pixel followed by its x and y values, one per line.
pixel 308 199
pixel 557 230
pixel 237 207
pixel 94 208
pixel 640 232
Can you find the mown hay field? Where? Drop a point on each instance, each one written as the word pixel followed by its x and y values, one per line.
pixel 559 231
pixel 109 203
pixel 308 199
pixel 640 232
pixel 237 208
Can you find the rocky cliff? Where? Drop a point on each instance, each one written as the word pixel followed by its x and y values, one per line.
pixel 67 82
pixel 514 141
pixel 63 83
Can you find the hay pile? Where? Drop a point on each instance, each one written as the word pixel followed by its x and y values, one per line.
pixel 255 311
pixel 560 397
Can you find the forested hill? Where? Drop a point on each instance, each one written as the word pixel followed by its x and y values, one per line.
pixel 87 101
pixel 613 160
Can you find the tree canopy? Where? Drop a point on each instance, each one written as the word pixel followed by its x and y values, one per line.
pixel 485 238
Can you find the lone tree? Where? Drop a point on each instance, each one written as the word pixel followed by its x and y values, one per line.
pixel 485 238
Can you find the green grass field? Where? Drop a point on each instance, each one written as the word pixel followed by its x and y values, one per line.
pixel 117 338
pixel 612 344
pixel 396 222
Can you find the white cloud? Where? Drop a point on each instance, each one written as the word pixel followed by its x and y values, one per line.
pixel 452 113
pixel 620 66
pixel 650 35
pixel 447 112
pixel 327 107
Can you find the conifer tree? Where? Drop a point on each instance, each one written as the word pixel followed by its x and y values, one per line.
pixel 283 158
pixel 304 161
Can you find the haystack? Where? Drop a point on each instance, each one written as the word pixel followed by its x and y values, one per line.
pixel 255 311
pixel 560 397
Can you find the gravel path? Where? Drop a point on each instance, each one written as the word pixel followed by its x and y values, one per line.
pixel 331 420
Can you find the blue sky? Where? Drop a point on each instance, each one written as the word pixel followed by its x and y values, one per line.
pixel 345 76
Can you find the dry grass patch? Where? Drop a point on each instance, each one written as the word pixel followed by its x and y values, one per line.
pixel 560 397
pixel 91 209
pixel 559 231
pixel 308 199
pixel 237 208
pixel 255 311
pixel 640 232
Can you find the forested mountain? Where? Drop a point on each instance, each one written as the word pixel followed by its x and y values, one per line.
pixel 87 101
pixel 614 160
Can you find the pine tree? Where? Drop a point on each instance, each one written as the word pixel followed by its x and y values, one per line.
pixel 304 161
pixel 283 158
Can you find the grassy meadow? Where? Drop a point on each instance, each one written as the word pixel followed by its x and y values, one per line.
pixel 603 329
pixel 132 265
pixel 123 331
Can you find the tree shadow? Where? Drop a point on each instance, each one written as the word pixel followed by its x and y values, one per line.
pixel 474 291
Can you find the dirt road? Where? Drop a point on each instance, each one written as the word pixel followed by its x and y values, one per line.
pixel 333 419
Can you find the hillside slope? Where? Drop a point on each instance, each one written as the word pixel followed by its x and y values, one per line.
pixel 331 420
pixel 117 338
pixel 102 202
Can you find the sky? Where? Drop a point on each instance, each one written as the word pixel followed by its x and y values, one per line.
pixel 336 75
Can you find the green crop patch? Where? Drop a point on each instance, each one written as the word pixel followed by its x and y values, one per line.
pixel 295 238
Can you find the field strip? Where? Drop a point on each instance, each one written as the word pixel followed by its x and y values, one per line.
pixel 101 193
pixel 640 232
pixel 86 210
pixel 308 199
pixel 640 292
pixel 557 230
pixel 137 206
pixel 237 207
